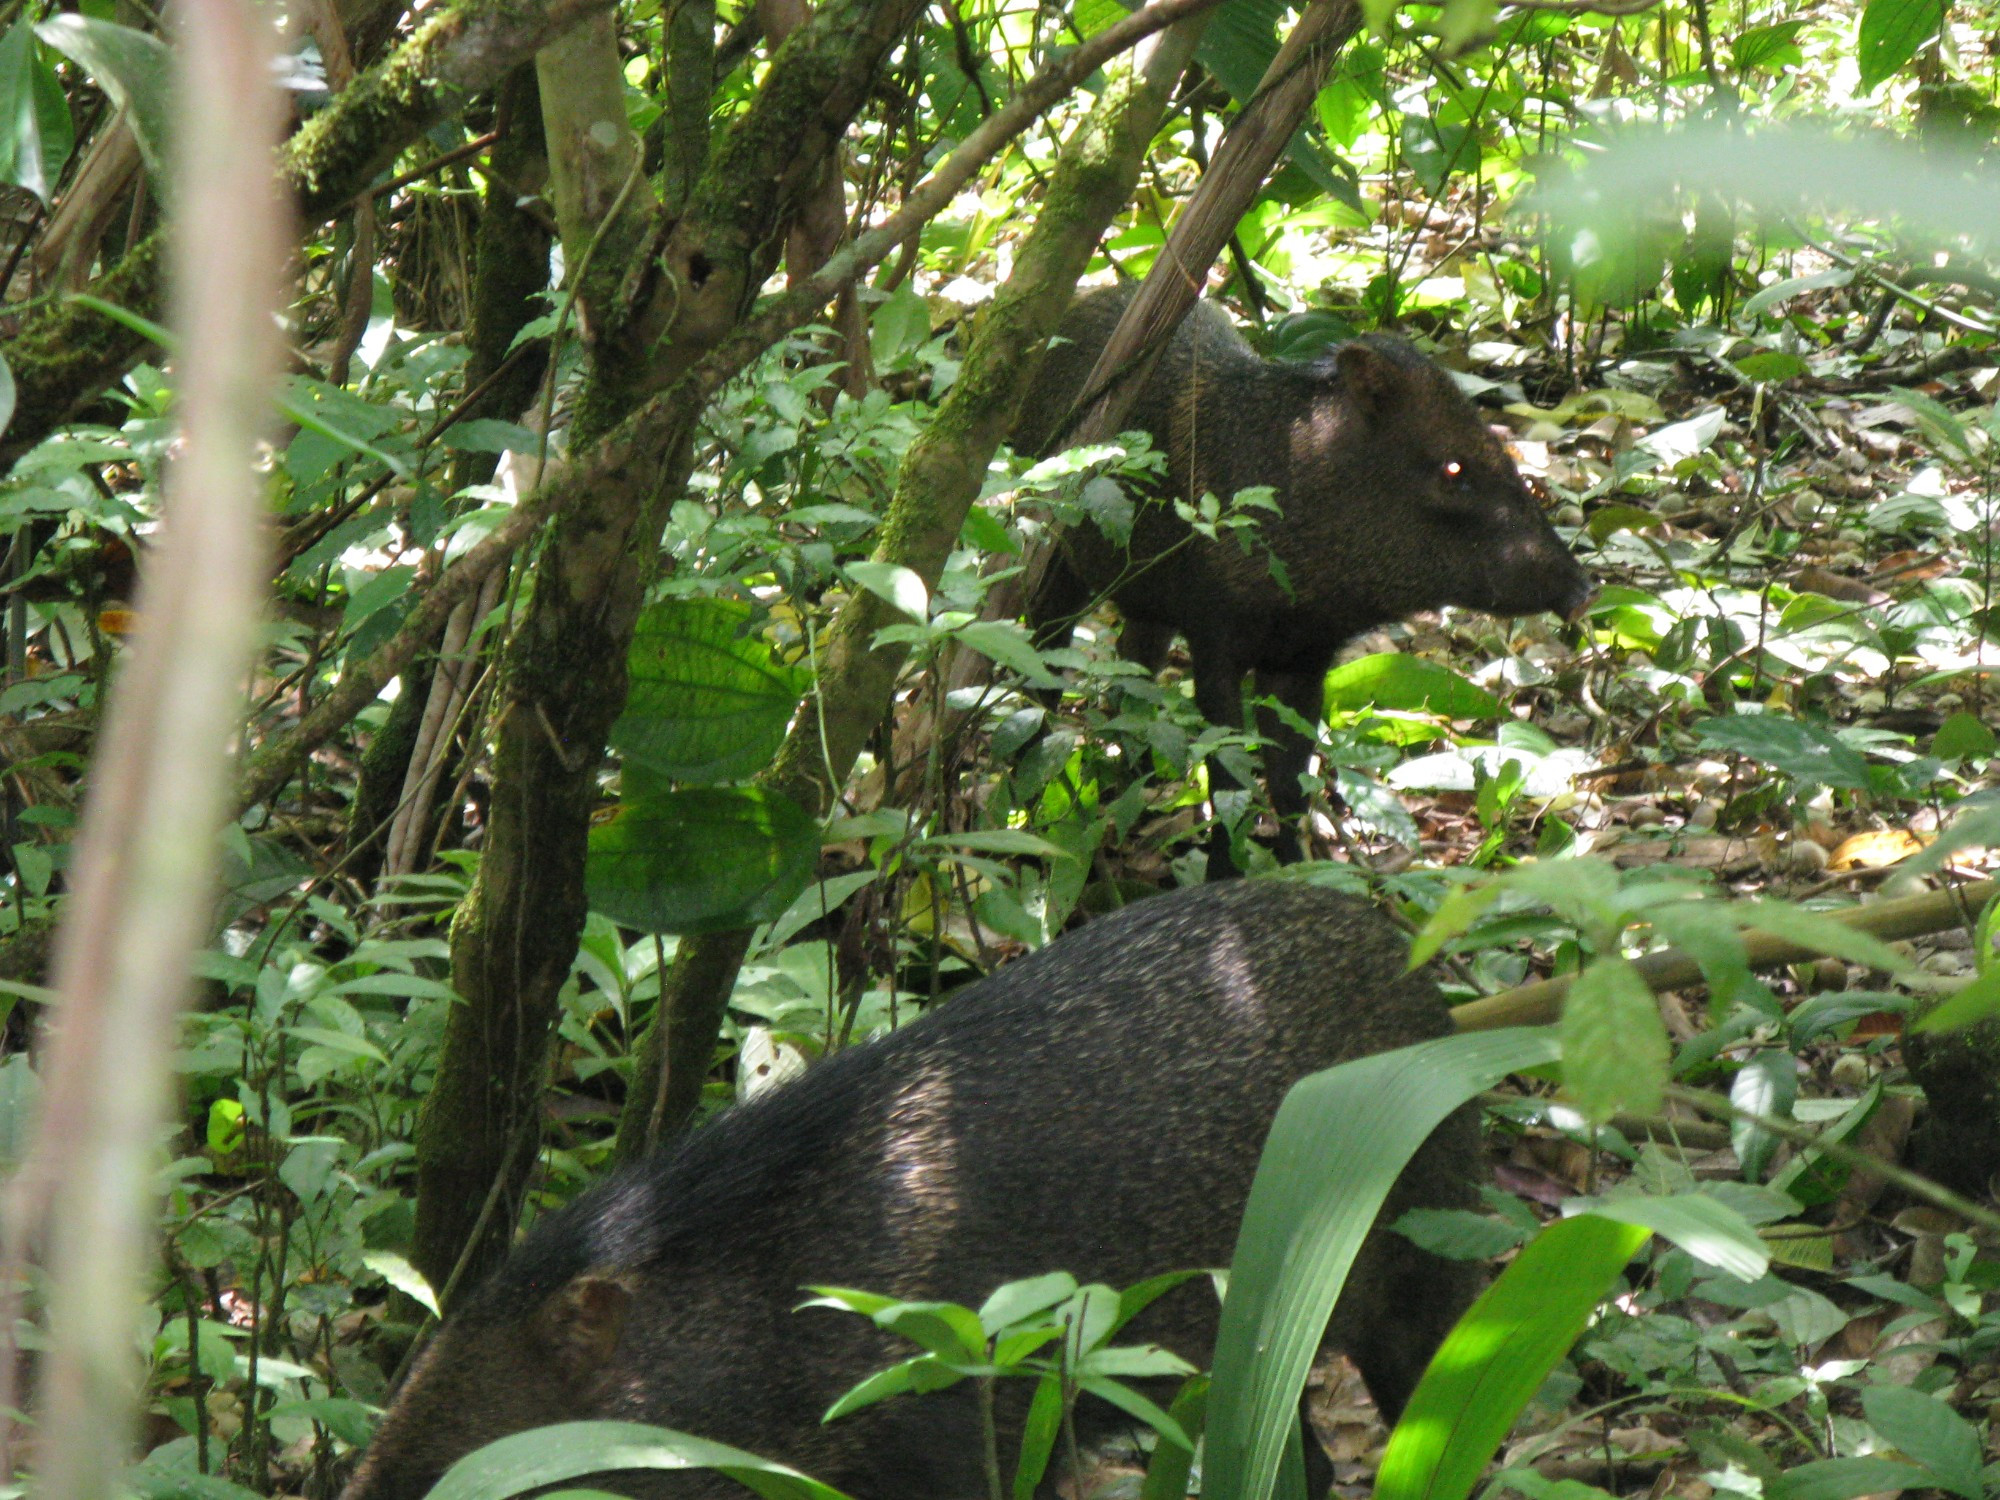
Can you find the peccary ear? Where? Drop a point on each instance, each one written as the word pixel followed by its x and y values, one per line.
pixel 1371 378
pixel 583 1320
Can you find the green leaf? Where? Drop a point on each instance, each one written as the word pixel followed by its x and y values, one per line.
pixel 913 1376
pixel 1812 1177
pixel 1975 1002
pixel 708 703
pixel 1497 1357
pixel 131 67
pixel 1964 737
pixel 1016 1300
pixel 1707 1228
pixel 1394 680
pixel 1614 1045
pixel 941 1328
pixel 702 860
pixel 1308 1213
pixel 1007 643
pixel 894 585
pixel 1766 1085
pixel 1773 46
pixel 1802 751
pixel 571 1450
pixel 33 142
pixel 1891 32
pixel 1461 907
pixel 1038 1436
pixel 1925 1429
pixel 1772 365
pixel 403 1276
pixel 1138 1407
pixel 1846 1478
pixel 1167 1474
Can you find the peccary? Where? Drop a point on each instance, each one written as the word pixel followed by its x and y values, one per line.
pixel 1098 1108
pixel 1393 496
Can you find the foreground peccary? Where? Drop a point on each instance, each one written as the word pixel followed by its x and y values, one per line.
pixel 1394 496
pixel 1096 1108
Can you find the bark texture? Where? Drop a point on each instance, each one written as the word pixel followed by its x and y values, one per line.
pixel 939 480
pixel 563 675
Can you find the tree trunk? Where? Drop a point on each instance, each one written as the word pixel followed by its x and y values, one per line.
pixel 940 479
pixel 563 674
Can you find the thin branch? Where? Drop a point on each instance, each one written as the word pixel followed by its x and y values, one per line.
pixel 779 315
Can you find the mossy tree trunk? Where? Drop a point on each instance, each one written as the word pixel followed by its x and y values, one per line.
pixel 563 673
pixel 939 480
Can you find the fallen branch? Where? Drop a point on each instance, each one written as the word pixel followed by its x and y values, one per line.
pixel 1674 969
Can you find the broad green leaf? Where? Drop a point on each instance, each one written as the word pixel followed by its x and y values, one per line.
pixel 1939 422
pixel 1038 1436
pixel 1773 46
pixel 157 1482
pixel 701 860
pixel 1395 680
pixel 33 142
pixel 1167 1474
pixel 7 394
pixel 1804 752
pixel 1925 1429
pixel 708 702
pixel 913 1376
pixel 1846 1479
pixel 1614 1045
pixel 1309 1210
pixel 1461 907
pixel 1964 737
pixel 573 1450
pixel 1766 1085
pixel 131 67
pixel 1812 1177
pixel 1772 365
pixel 1891 32
pixel 1975 1002
pixel 894 585
pixel 1664 447
pixel 1007 643
pixel 1497 1357
pixel 941 1328
pixel 1707 1228
pixel 1137 1406
pixel 403 1276
pixel 1792 286
pixel 1016 1300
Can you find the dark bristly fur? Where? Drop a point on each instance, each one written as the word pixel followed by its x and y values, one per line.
pixel 1097 1108
pixel 1395 497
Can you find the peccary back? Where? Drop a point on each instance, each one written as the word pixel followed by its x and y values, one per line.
pixel 1098 1108
pixel 1394 496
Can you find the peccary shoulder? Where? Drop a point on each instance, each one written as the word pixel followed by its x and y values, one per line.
pixel 1098 1108
pixel 1393 496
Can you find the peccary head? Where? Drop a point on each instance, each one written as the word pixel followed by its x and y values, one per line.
pixel 1432 501
pixel 489 1374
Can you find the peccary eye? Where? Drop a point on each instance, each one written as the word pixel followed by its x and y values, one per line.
pixel 1454 472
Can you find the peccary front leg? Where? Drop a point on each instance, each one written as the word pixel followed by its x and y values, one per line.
pixel 1218 693
pixel 1288 752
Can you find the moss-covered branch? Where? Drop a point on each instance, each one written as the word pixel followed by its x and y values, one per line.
pixel 563 676
pixel 65 356
pixel 939 480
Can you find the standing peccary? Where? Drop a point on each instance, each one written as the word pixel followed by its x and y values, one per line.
pixel 1393 496
pixel 1098 1108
